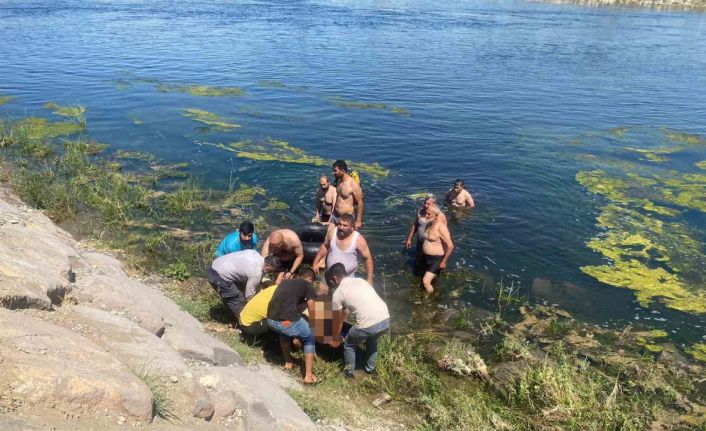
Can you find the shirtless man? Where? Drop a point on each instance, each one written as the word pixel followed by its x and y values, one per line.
pixel 344 245
pixel 458 196
pixel 285 244
pixel 420 223
pixel 350 196
pixel 325 199
pixel 437 248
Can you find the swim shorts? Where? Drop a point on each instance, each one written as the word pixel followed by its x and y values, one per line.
pixel 431 263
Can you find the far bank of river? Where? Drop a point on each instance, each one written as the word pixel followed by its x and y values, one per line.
pixel 692 5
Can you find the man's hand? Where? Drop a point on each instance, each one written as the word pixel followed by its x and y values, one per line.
pixel 408 244
pixel 442 264
pixel 334 344
pixel 288 275
pixel 358 224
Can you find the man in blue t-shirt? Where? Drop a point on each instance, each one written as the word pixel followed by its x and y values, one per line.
pixel 242 239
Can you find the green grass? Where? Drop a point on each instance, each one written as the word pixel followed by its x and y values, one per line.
pixel 161 401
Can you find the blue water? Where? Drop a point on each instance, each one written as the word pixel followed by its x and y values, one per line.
pixel 497 91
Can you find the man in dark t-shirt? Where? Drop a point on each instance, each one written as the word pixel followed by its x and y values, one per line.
pixel 284 317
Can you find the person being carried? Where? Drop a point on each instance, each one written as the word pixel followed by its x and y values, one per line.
pixel 285 244
pixel 359 300
pixel 344 245
pixel 458 196
pixel 236 276
pixel 325 200
pixel 253 318
pixel 244 238
pixel 284 317
pixel 437 248
pixel 349 198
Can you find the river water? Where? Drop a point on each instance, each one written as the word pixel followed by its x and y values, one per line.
pixel 499 93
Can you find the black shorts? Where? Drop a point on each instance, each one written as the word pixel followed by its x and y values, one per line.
pixel 431 263
pixel 323 218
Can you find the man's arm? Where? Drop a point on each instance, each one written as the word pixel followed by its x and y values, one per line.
pixel 447 243
pixel 299 253
pixel 469 200
pixel 412 231
pixel 319 205
pixel 323 250
pixel 364 251
pixel 358 198
pixel 252 284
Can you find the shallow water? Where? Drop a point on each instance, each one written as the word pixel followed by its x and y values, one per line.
pixel 509 95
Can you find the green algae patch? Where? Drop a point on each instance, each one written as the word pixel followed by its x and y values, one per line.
pixel 40 128
pixel 245 195
pixel 136 121
pixel 276 150
pixel 656 155
pixel 403 112
pixel 683 138
pixel 342 102
pixel 275 204
pixel 6 99
pixel 210 119
pixel 267 83
pixel 697 351
pixel 619 132
pixel 90 148
pixel 201 90
pixel 133 155
pixel 701 165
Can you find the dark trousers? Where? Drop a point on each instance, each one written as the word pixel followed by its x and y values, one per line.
pixel 257 328
pixel 230 293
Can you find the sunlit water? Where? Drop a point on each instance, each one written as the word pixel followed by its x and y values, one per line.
pixel 497 92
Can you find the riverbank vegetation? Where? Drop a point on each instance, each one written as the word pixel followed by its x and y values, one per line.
pixel 545 372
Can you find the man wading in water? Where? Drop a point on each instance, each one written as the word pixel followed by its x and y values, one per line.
pixel 437 248
pixel 458 196
pixel 350 196
pixel 419 226
pixel 325 199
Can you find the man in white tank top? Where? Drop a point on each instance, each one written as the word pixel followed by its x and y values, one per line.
pixel 344 245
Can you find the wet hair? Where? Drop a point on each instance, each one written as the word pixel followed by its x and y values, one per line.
pixel 458 182
pixel 430 198
pixel 338 270
pixel 307 274
pixel 246 228
pixel 348 218
pixel 273 262
pixel 340 164
pixel 323 177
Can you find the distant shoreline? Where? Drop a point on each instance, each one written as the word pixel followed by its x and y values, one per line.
pixel 666 5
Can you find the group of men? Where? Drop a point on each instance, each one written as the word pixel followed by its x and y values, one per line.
pixel 283 307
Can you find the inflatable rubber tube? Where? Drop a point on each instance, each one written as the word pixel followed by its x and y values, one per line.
pixel 310 250
pixel 311 232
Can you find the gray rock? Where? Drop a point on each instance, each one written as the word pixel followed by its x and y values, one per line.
pixel 149 306
pixel 104 264
pixel 46 364
pixel 266 405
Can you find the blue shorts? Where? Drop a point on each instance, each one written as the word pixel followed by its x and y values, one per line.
pixel 299 329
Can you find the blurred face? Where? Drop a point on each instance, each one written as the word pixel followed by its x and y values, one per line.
pixel 458 187
pixel 344 229
pixel 428 203
pixel 245 238
pixel 323 183
pixel 337 172
pixel 432 215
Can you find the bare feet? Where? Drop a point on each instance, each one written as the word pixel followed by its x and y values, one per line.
pixel 288 366
pixel 310 380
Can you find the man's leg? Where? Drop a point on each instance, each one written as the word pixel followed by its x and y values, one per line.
pixel 371 344
pixel 286 343
pixel 355 337
pixel 426 281
pixel 233 298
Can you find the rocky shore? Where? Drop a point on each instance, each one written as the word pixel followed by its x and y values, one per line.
pixel 84 346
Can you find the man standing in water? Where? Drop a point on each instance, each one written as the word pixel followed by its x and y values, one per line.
pixel 437 248
pixel 350 196
pixel 325 200
pixel 343 245
pixel 285 244
pixel 420 223
pixel 458 196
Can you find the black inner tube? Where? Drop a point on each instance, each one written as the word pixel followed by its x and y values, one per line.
pixel 311 235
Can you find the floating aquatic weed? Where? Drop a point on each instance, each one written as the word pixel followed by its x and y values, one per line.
pixel 275 204
pixel 245 195
pixel 701 165
pixel 77 112
pixel 209 118
pixel 200 90
pixel 89 148
pixel 34 128
pixel 274 150
pixel 683 138
pixel 136 121
pixel 6 99
pixel 655 154
pixel 134 155
pixel 266 83
pixel 698 351
pixel 404 112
